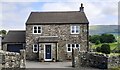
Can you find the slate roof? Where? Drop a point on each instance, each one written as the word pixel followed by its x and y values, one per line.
pixel 57 17
pixel 14 37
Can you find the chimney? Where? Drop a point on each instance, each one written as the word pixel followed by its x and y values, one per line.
pixel 81 8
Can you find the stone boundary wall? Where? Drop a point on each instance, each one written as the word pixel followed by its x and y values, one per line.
pixel 92 59
pixel 114 61
pixel 12 59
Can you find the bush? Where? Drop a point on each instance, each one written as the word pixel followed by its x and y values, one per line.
pixel 98 49
pixel 97 42
pixel 105 48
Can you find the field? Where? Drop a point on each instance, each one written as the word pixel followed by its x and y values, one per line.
pixel 112 45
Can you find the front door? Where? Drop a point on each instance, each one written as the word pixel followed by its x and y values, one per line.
pixel 47 52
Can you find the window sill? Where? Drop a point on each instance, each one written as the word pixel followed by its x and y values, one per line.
pixel 69 51
pixel 37 33
pixel 35 52
pixel 75 33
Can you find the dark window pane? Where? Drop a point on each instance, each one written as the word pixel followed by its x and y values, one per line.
pixel 35 45
pixel 77 31
pixel 68 45
pixel 69 49
pixel 73 45
pixel 35 27
pixel 35 49
pixel 39 27
pixel 77 45
pixel 73 31
pixel 39 31
pixel 35 31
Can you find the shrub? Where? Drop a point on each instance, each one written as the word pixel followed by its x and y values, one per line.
pixel 98 49
pixel 105 48
pixel 97 42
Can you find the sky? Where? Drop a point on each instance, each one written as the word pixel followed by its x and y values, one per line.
pixel 14 13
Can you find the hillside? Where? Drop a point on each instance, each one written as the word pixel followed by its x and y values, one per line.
pixel 100 29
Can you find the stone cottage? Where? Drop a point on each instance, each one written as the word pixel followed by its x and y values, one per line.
pixel 50 36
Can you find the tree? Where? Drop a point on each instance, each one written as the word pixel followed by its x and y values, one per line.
pixel 107 38
pixel 105 48
pixel 94 38
pixel 3 32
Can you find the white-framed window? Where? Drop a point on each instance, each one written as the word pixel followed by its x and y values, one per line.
pixel 70 46
pixel 37 29
pixel 35 48
pixel 75 29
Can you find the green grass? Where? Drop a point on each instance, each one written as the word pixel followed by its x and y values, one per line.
pixel 117 68
pixel 112 45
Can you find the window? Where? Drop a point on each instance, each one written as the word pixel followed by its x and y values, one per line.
pixel 70 46
pixel 35 48
pixel 37 29
pixel 78 46
pixel 73 45
pixel 75 29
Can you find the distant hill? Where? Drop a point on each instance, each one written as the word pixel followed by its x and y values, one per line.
pixel 100 29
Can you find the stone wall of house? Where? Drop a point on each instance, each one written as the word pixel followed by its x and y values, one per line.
pixel 64 37
pixel 13 60
pixel 91 59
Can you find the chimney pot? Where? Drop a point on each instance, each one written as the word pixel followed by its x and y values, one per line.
pixel 81 8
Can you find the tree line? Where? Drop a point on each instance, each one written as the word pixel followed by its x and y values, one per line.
pixel 103 38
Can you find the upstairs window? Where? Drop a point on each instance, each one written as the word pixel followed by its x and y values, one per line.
pixel 37 29
pixel 35 48
pixel 75 29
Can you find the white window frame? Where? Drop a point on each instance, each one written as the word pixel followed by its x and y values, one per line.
pixel 72 47
pixel 68 47
pixel 74 27
pixel 34 48
pixel 37 29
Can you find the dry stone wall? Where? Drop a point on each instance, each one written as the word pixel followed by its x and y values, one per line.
pixel 12 59
pixel 92 59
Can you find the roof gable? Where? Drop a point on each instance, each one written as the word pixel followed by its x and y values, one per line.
pixel 57 17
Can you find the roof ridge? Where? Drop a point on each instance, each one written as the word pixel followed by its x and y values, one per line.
pixel 55 11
